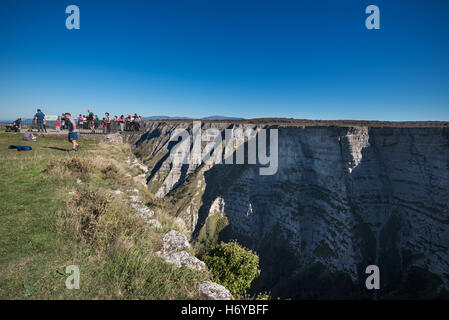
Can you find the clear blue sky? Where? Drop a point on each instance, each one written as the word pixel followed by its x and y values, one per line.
pixel 302 59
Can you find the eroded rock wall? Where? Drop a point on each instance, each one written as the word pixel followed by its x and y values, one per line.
pixel 342 198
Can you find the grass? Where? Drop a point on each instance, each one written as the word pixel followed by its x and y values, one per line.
pixel 41 227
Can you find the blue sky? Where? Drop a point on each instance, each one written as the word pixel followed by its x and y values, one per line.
pixel 301 59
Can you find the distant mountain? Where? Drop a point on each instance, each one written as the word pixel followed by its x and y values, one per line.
pixel 164 118
pixel 24 121
pixel 221 118
pixel 187 118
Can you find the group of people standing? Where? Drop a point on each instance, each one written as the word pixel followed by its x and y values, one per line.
pixel 90 122
pixel 107 124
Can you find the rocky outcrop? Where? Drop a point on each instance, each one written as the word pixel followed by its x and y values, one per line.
pixel 342 198
pixel 213 291
pixel 173 245
pixel 173 241
pixel 183 258
pixel 143 211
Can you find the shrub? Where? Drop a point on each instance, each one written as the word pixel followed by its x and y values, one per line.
pixel 232 266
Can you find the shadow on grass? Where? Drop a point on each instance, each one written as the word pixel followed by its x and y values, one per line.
pixel 59 149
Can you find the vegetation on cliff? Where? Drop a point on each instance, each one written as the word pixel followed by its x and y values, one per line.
pixel 233 266
pixel 60 209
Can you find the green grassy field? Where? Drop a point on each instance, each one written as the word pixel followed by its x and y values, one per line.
pixel 41 228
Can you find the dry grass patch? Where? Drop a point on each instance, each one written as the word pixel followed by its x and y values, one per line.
pixel 78 167
pixel 116 174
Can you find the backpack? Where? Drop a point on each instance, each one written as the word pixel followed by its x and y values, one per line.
pixel 21 148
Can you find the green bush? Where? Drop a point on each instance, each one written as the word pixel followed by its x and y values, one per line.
pixel 232 266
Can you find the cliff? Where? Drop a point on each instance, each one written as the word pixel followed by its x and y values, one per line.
pixel 343 198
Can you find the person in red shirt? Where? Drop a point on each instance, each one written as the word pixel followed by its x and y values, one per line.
pixel 105 125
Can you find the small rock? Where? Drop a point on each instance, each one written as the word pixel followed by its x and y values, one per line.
pixel 78 181
pixel 155 223
pixel 144 211
pixel 141 179
pixel 214 291
pixel 135 199
pixel 173 241
pixel 117 192
pixel 184 258
pixel 72 193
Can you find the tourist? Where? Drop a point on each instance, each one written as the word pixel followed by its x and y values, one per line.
pixel 91 121
pixel 39 117
pixel 122 122
pixel 116 123
pixel 108 122
pixel 136 122
pixel 97 122
pixel 58 125
pixel 128 123
pixel 63 121
pixel 45 125
pixel 73 132
pixel 105 125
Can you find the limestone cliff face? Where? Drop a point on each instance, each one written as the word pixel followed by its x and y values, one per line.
pixel 342 199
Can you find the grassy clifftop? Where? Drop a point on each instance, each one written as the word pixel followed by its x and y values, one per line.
pixel 60 209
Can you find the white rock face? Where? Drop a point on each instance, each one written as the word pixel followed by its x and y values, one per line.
pixel 217 206
pixel 342 197
pixel 214 291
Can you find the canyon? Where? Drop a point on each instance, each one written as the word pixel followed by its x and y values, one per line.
pixel 343 197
